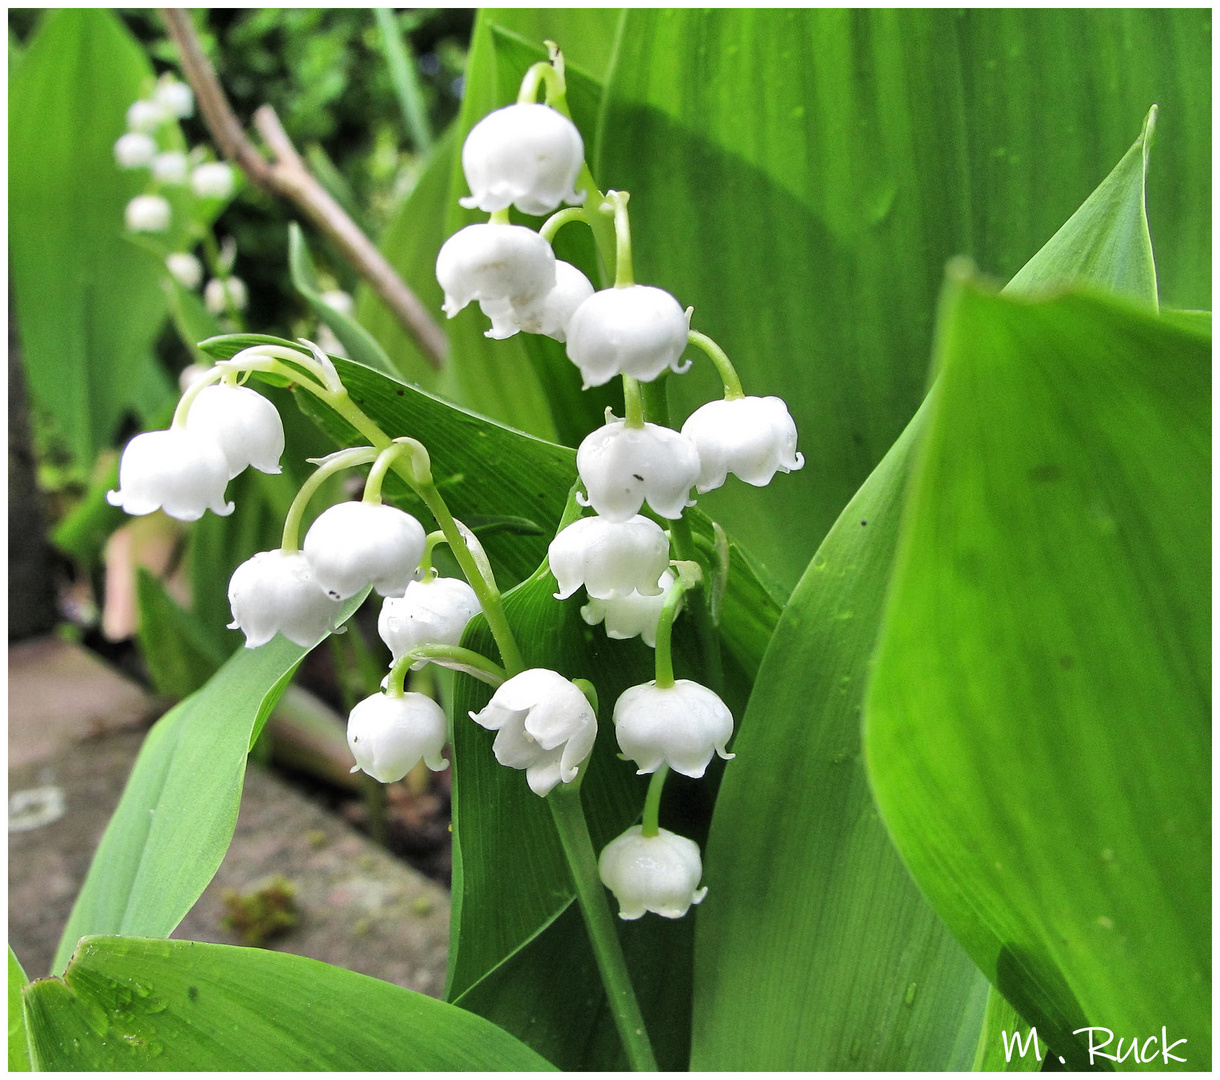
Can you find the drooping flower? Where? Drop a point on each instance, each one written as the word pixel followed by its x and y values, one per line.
pixel 524 155
pixel 275 591
pixel 187 270
pixel 170 167
pixel 609 558
pixel 623 466
pixel 352 545
pixel 174 96
pixel 243 423
pixel 631 615
pixel 550 315
pixel 751 437
pixel 148 213
pixel 681 726
pixel 495 263
pixel 213 180
pixel 146 116
pixel 389 736
pixel 652 873
pixel 637 330
pixel 135 150
pixel 214 294
pixel 544 725
pixel 429 613
pixel 177 471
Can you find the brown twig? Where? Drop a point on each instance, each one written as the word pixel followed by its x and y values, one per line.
pixel 287 177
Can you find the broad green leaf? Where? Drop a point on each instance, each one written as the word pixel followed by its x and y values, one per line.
pixel 801 177
pixel 1007 1044
pixel 129 1005
pixel 18 1048
pixel 1038 720
pixel 176 817
pixel 89 303
pixel 177 649
pixel 361 346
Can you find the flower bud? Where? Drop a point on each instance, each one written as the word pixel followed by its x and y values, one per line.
pixel 356 544
pixel 631 615
pixel 429 613
pixel 637 330
pixel 243 423
pixel 622 466
pixel 652 873
pixel 275 591
pixel 187 270
pixel 527 155
pixel 389 736
pixel 680 726
pixel 170 167
pixel 213 180
pixel 549 316
pixel 214 294
pixel 177 471
pixel 146 116
pixel 174 96
pixel 135 150
pixel 750 437
pixel 609 558
pixel 494 262
pixel 544 725
pixel 147 213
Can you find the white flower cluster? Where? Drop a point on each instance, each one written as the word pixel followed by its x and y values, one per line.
pixel 148 120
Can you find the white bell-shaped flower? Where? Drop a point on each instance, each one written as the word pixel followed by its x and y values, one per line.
pixel 429 613
pixel 680 726
pixel 177 471
pixel 549 316
pixel 751 437
pixel 214 295
pixel 623 466
pixel 632 615
pixel 544 725
pixel 652 873
pixel 275 591
pixel 609 558
pixel 146 116
pixel 147 213
pixel 389 736
pixel 524 155
pixel 170 167
pixel 356 544
pixel 243 423
pixel 213 180
pixel 135 150
pixel 187 270
pixel 494 263
pixel 637 330
pixel 174 96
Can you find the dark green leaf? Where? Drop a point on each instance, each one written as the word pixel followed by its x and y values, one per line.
pixel 1003 1038
pixel 179 652
pixel 138 1005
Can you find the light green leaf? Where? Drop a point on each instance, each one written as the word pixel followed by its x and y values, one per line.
pixel 128 1005
pixel 177 649
pixel 176 817
pixel 18 1048
pixel 1038 721
pixel 361 346
pixel 1006 1043
pixel 801 177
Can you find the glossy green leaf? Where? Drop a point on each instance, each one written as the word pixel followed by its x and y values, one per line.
pixel 134 1005
pixel 801 177
pixel 18 1048
pixel 1006 1043
pixel 361 346
pixel 1038 720
pixel 176 817
pixel 89 303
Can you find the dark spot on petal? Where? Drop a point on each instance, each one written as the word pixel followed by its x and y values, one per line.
pixel 638 477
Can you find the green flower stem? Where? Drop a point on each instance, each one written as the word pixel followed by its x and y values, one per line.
pixel 425 563
pixel 372 486
pixel 192 392
pixel 603 935
pixel 558 220
pixel 633 403
pixel 689 576
pixel 652 803
pixel 616 203
pixel 556 87
pixel 472 663
pixel 724 366
pixel 327 467
pixel 498 217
